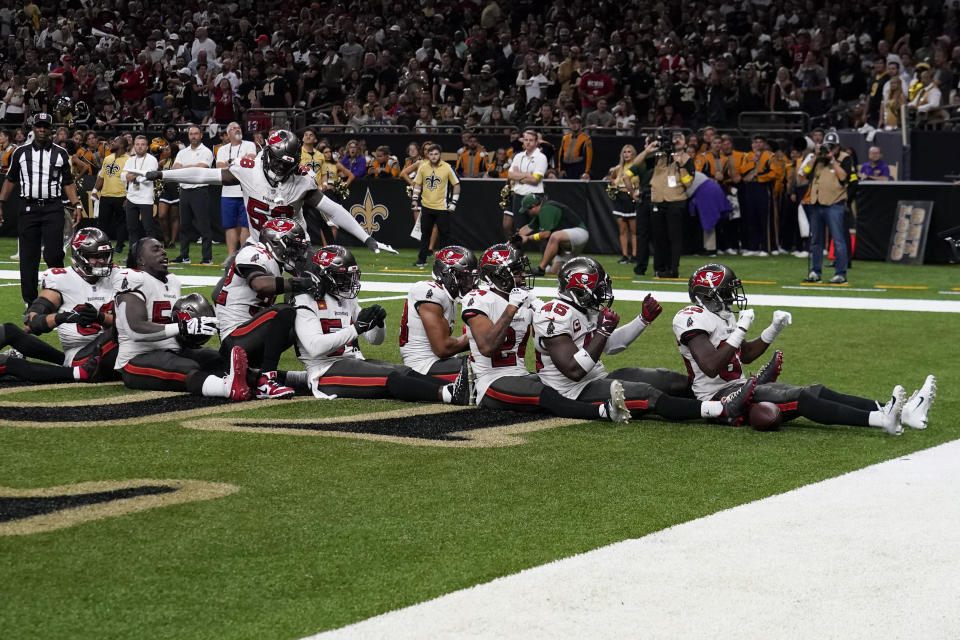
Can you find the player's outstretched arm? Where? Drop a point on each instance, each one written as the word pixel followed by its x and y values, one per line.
pixel 192 175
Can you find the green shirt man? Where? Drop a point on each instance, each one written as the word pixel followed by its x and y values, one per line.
pixel 559 225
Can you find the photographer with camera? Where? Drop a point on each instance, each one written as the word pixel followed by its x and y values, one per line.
pixel 828 169
pixel 673 171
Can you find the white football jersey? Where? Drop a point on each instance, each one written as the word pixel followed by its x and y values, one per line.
pixel 559 317
pixel 510 360
pixel 263 201
pixel 159 298
pixel 75 291
pixel 324 317
pixel 415 349
pixel 691 320
pixel 234 300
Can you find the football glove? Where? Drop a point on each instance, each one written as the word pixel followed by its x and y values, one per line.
pixel 518 297
pixel 608 321
pixel 516 240
pixel 780 320
pixel 153 175
pixel 745 319
pixel 369 317
pixel 304 285
pixel 68 317
pixel 203 326
pixel 650 310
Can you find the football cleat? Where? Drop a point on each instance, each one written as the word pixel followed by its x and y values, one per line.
pixel 918 406
pixel 268 387
pixel 88 370
pixel 892 411
pixel 813 276
pixel 236 380
pixel 771 371
pixel 464 391
pixel 737 404
pixel 617 410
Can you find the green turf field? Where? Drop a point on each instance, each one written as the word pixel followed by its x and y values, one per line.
pixel 323 531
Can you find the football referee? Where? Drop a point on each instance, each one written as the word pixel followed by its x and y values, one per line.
pixel 42 172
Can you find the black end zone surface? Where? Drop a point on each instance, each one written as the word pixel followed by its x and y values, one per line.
pixel 98 413
pixel 427 426
pixel 19 508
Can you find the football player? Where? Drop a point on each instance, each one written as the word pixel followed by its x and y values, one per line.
pixel 244 300
pixel 498 326
pixel 274 186
pixel 150 354
pixel 712 341
pixel 572 332
pixel 77 301
pixel 427 344
pixel 328 323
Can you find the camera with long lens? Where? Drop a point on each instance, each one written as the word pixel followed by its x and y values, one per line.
pixel 665 142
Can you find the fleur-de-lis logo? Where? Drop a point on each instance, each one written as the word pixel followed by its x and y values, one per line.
pixel 370 212
pixel 432 181
pixel 113 169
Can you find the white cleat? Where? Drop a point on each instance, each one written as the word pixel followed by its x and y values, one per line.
pixel 918 406
pixel 617 409
pixel 385 247
pixel 893 410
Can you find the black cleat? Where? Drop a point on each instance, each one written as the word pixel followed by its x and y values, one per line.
pixel 737 404
pixel 771 371
pixel 464 391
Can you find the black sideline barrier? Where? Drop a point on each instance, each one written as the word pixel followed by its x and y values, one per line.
pixel 876 210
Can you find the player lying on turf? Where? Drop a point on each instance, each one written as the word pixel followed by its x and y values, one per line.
pixel 77 301
pixel 427 344
pixel 274 185
pixel 573 331
pixel 498 316
pixel 244 301
pixel 712 342
pixel 150 354
pixel 329 321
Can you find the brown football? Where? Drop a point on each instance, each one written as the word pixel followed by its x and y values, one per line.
pixel 765 416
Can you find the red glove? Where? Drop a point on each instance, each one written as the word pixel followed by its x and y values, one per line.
pixel 608 321
pixel 651 309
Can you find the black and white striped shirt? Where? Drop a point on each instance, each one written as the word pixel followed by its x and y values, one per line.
pixel 41 173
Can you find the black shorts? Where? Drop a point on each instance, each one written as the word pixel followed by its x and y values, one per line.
pixel 514 393
pixel 351 378
pixel 170 192
pixel 782 394
pixel 672 383
pixel 513 208
pixel 446 369
pixel 252 334
pixel 165 370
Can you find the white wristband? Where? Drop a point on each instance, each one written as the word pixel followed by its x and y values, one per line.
pixel 171 330
pixel 736 338
pixel 584 359
pixel 770 334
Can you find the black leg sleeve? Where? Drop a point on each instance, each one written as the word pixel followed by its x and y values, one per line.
pixel 38 372
pixel 825 411
pixel 563 407
pixel 677 408
pixel 278 339
pixel 864 404
pixel 411 388
pixel 29 345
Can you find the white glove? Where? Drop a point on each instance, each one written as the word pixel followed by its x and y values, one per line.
pixel 780 320
pixel 534 302
pixel 203 326
pixel 385 247
pixel 452 206
pixel 518 297
pixel 745 319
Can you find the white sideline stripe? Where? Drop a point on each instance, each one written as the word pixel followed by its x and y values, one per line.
pixel 870 554
pixel 818 302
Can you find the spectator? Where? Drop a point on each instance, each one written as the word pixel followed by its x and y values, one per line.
pixel 472 159
pixel 110 190
pixel 875 168
pixel 139 204
pixel 233 215
pixel 601 118
pixel 594 86
pixel 384 165
pixel 194 200
pixel 354 161
pixel 203 44
pixel 926 102
pixel 892 104
pixel 576 152
pixel 486 88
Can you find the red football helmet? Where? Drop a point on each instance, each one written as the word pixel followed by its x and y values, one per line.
pixel 455 269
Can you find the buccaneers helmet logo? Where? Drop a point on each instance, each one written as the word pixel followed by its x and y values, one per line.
pixel 281 226
pixel 449 257
pixel 324 258
pixel 495 257
pixel 585 281
pixel 78 240
pixel 708 278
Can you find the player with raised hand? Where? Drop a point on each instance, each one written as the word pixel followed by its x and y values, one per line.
pixel 712 341
pixel 274 185
pixel 573 331
pixel 151 355
pixel 328 324
pixel 427 344
pixel 245 301
pixel 77 302
pixel 498 316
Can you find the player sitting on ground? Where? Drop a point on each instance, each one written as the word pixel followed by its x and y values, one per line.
pixel 244 301
pixel 712 342
pixel 427 344
pixel 274 186
pixel 150 356
pixel 498 326
pixel 328 323
pixel 77 301
pixel 573 331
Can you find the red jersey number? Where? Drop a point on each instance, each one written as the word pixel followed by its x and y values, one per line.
pixel 260 212
pixel 326 324
pixel 161 312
